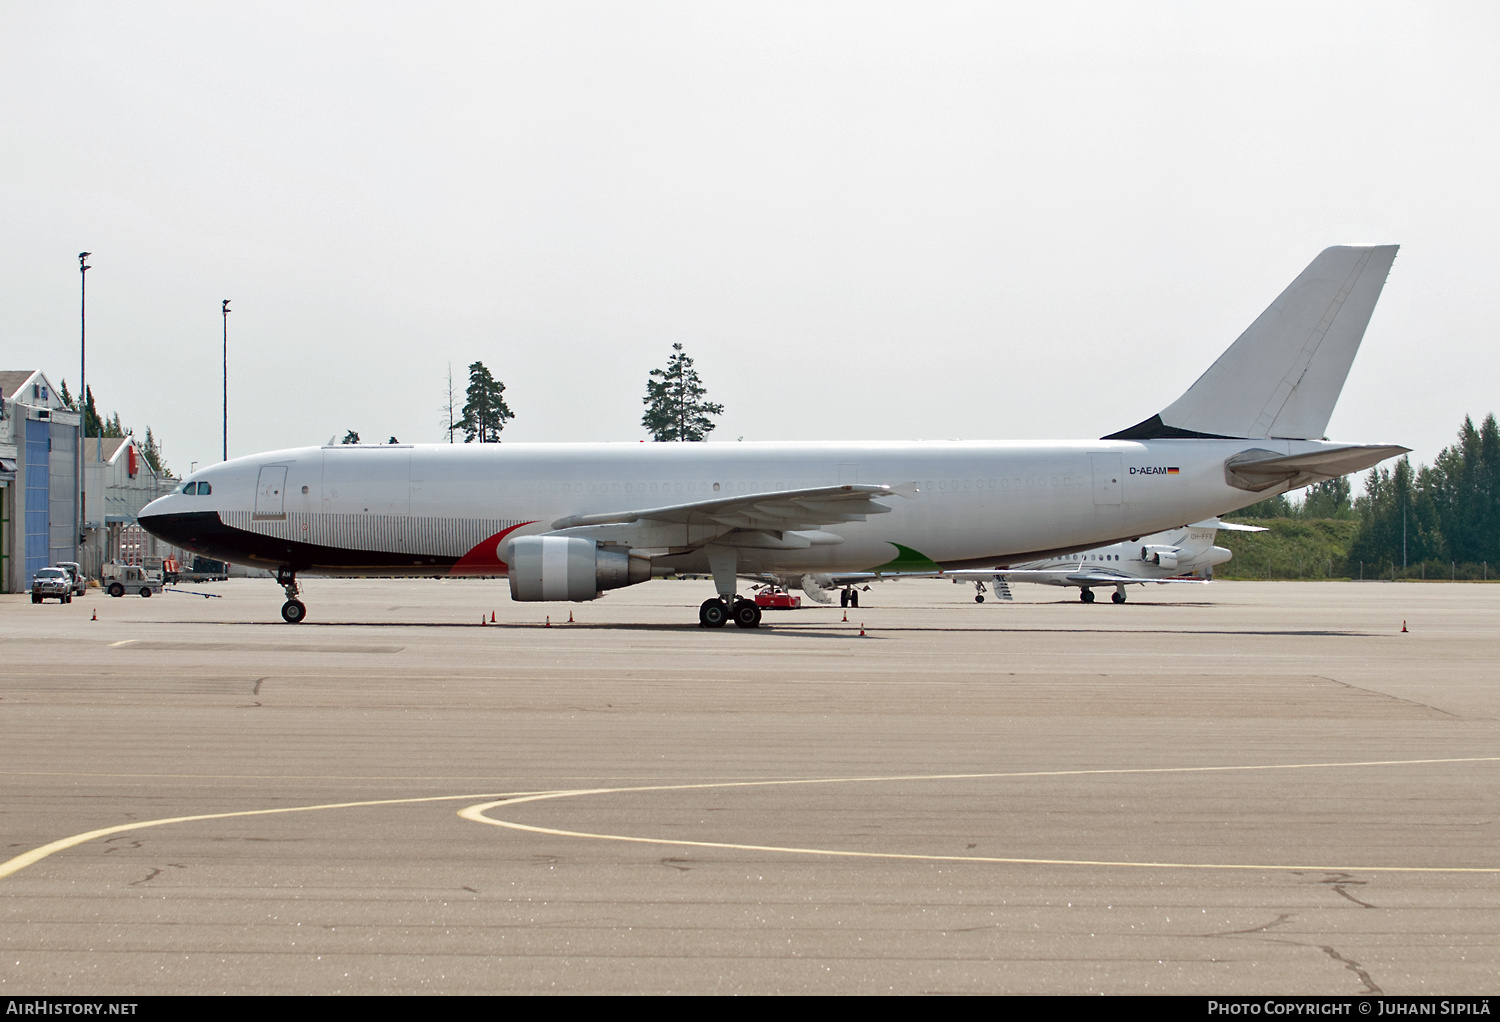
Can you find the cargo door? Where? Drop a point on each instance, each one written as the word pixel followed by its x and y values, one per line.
pixel 270 494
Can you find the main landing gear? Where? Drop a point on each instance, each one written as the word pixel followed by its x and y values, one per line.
pixel 293 611
pixel 849 597
pixel 1087 595
pixel 718 612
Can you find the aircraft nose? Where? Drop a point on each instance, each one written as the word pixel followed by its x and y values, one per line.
pixel 183 529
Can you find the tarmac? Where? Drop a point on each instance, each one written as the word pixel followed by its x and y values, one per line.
pixel 1236 788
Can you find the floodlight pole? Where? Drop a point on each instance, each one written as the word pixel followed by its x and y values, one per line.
pixel 225 307
pixel 83 391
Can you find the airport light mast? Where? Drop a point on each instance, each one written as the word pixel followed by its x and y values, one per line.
pixel 225 306
pixel 83 393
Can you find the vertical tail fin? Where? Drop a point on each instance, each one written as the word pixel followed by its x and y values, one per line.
pixel 1283 375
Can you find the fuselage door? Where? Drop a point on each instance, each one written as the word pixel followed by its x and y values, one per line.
pixel 1108 479
pixel 270 492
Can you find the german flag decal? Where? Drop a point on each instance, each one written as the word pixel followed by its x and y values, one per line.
pixel 1172 470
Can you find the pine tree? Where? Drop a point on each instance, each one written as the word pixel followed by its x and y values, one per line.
pixel 151 451
pixel 350 437
pixel 485 413
pixel 675 409
pixel 92 425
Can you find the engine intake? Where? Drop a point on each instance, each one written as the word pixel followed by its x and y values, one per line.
pixel 568 568
pixel 1166 556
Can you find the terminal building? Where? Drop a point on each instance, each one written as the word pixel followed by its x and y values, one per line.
pixel 39 499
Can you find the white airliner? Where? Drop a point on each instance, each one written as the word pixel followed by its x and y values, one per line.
pixel 570 521
pixel 1187 554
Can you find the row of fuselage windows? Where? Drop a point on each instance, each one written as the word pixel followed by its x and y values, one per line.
pixel 706 490
pixel 767 486
pixel 201 489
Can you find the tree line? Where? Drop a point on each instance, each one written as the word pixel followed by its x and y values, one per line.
pixel 1434 521
pixel 676 408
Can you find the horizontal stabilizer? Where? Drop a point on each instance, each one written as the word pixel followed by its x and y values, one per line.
pixel 1283 375
pixel 1261 470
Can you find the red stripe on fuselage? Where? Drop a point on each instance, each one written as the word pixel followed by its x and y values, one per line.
pixel 484 558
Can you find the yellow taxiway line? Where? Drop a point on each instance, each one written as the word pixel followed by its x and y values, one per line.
pixel 476 814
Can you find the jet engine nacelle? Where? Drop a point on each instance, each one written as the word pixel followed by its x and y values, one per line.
pixel 1166 556
pixel 568 568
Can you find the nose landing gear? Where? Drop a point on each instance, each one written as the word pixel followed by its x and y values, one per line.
pixel 293 611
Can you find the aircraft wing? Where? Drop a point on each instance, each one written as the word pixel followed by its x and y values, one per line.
pixel 1077 576
pixel 774 510
pixel 1215 523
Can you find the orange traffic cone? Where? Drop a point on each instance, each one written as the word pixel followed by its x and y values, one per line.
pixel 861 628
pixel 846 615
pixel 482 620
pixel 1403 624
pixel 570 617
pixel 492 617
pixel 549 622
pixel 96 615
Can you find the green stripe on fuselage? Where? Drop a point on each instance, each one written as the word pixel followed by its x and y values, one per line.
pixel 908 559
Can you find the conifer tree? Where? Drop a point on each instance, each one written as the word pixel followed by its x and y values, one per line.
pixel 675 409
pixel 485 413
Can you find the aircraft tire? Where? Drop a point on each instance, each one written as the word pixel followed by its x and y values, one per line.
pixel 746 614
pixel 854 597
pixel 1118 597
pixel 713 614
pixel 293 612
pixel 1086 595
pixel 978 597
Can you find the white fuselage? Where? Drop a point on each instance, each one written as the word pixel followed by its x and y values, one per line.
pixel 424 509
pixel 1172 554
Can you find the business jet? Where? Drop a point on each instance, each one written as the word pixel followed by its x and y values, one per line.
pixel 1185 555
pixel 572 521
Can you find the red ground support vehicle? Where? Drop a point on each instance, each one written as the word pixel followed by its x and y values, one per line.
pixel 777 599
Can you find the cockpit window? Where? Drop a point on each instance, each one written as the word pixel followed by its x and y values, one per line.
pixel 204 489
pixel 189 488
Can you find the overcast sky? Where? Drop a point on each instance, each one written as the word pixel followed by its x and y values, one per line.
pixel 863 220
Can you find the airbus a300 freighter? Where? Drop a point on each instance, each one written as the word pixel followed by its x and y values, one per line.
pixel 571 521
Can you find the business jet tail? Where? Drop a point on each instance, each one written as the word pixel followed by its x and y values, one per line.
pixel 1283 375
